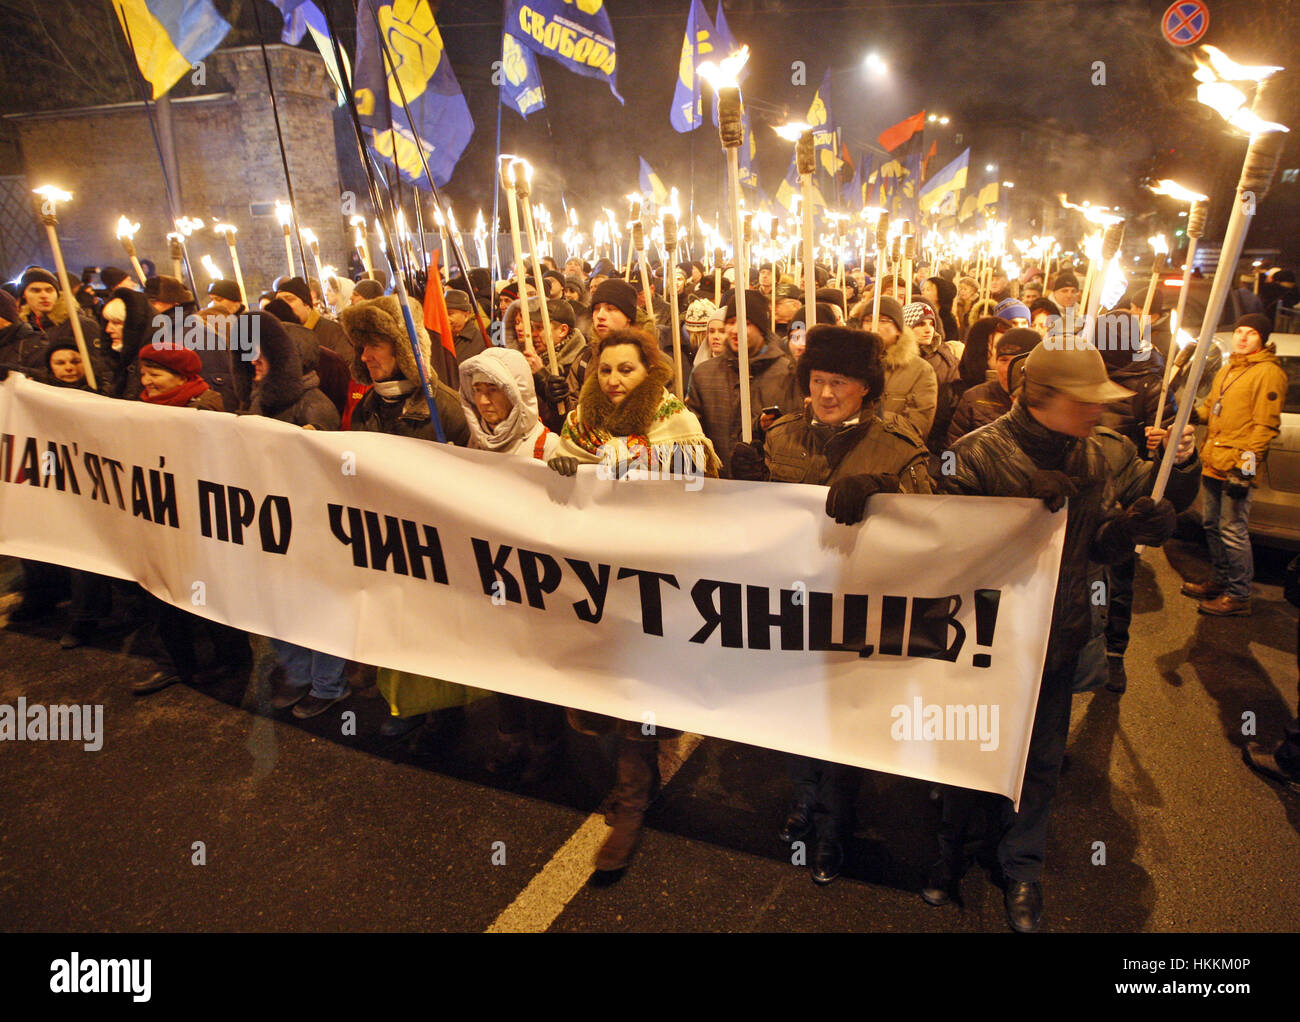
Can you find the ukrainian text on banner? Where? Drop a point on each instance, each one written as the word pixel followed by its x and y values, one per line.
pixel 912 643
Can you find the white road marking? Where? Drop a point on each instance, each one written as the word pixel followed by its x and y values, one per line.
pixel 564 875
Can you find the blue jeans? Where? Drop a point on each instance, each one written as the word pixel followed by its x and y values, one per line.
pixel 1227 532
pixel 304 667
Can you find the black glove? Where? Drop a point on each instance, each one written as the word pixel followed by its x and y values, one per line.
pixel 847 500
pixel 554 389
pixel 1237 485
pixel 1144 522
pixel 749 463
pixel 1052 488
pixel 565 466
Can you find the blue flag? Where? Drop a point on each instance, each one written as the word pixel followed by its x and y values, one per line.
pixel 652 185
pixel 443 126
pixel 303 16
pixel 579 36
pixel 726 44
pixel 687 112
pixel 939 194
pixel 521 88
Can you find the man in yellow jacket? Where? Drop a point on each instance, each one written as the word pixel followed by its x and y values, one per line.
pixel 1244 413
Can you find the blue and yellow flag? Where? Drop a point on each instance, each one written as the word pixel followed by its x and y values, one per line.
pixel 687 112
pixel 790 187
pixel 170 36
pixel 940 192
pixel 442 124
pixel 819 119
pixel 303 16
pixel 726 44
pixel 521 87
pixel 652 185
pixel 578 35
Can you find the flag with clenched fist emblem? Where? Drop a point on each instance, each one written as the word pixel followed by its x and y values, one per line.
pixel 521 87
pixel 405 58
pixel 577 33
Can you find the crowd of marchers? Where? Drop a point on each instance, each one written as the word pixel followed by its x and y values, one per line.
pixel 922 385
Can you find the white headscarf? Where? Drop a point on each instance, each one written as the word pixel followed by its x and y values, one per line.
pixel 508 369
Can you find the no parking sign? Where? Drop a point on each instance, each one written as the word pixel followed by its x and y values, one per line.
pixel 1185 22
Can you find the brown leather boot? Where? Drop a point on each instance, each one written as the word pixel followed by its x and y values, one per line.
pixel 1225 606
pixel 637 766
pixel 1202 590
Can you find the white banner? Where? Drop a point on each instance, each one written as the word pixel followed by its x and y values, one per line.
pixel 912 643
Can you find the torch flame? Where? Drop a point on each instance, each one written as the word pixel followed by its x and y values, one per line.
pixel 308 236
pixel 126 229
pixel 211 268
pixel 282 213
pixel 226 229
pixel 791 131
pixel 1174 190
pixel 358 221
pixel 1095 214
pixel 1159 245
pixel 53 194
pixel 726 73
pixel 1229 70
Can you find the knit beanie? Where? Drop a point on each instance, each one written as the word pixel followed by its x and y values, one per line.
pixel 616 292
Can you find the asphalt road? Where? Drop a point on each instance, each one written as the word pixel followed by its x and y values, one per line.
pixel 304 828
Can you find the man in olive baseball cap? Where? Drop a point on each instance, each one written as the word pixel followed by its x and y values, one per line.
pixel 1069 386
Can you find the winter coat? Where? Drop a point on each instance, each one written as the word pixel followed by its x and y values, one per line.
pixel 944 359
pixel 522 433
pixel 469 342
pixel 331 335
pixel 54 327
pixel 1131 415
pixel 798 449
pixel 1252 389
pixel 999 460
pixel 406 413
pixel 911 389
pixel 290 390
pixel 20 345
pixel 714 394
pixel 978 407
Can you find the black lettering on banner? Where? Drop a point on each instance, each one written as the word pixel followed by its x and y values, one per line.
pixel 928 634
pixel 536 587
pixel 64 474
pixel 212 504
pixel 491 568
pixel 355 534
pixel 893 623
pixel 29 470
pixel 275 509
pixel 139 494
pixel 431 548
pixel 652 611
pixel 593 609
pixel 6 456
pixel 725 614
pixel 385 543
pixel 821 614
pixel 115 467
pixel 99 490
pixel 242 507
pixel 761 620
pixel 163 497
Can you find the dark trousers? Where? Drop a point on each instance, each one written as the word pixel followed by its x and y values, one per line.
pixel 44 585
pixel 1119 604
pixel 92 598
pixel 1023 844
pixel 541 723
pixel 828 789
pixel 176 631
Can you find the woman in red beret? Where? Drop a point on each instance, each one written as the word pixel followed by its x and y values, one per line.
pixel 169 375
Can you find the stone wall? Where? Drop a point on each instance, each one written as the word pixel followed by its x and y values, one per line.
pixel 228 160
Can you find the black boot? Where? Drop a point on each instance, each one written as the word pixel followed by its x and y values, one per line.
pixel 1118 682
pixel 797 823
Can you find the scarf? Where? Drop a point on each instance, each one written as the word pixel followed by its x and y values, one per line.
pixel 648 428
pixel 179 397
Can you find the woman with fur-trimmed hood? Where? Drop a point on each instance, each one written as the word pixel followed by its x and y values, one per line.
pixel 284 385
pixel 383 358
pixel 500 405
pixel 911 388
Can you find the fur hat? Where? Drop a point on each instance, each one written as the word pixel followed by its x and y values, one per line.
pixel 168 289
pixel 8 306
pixel 847 352
pixel 381 319
pixel 619 293
pixel 457 299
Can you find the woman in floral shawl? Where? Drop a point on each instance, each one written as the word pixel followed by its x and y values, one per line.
pixel 626 418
